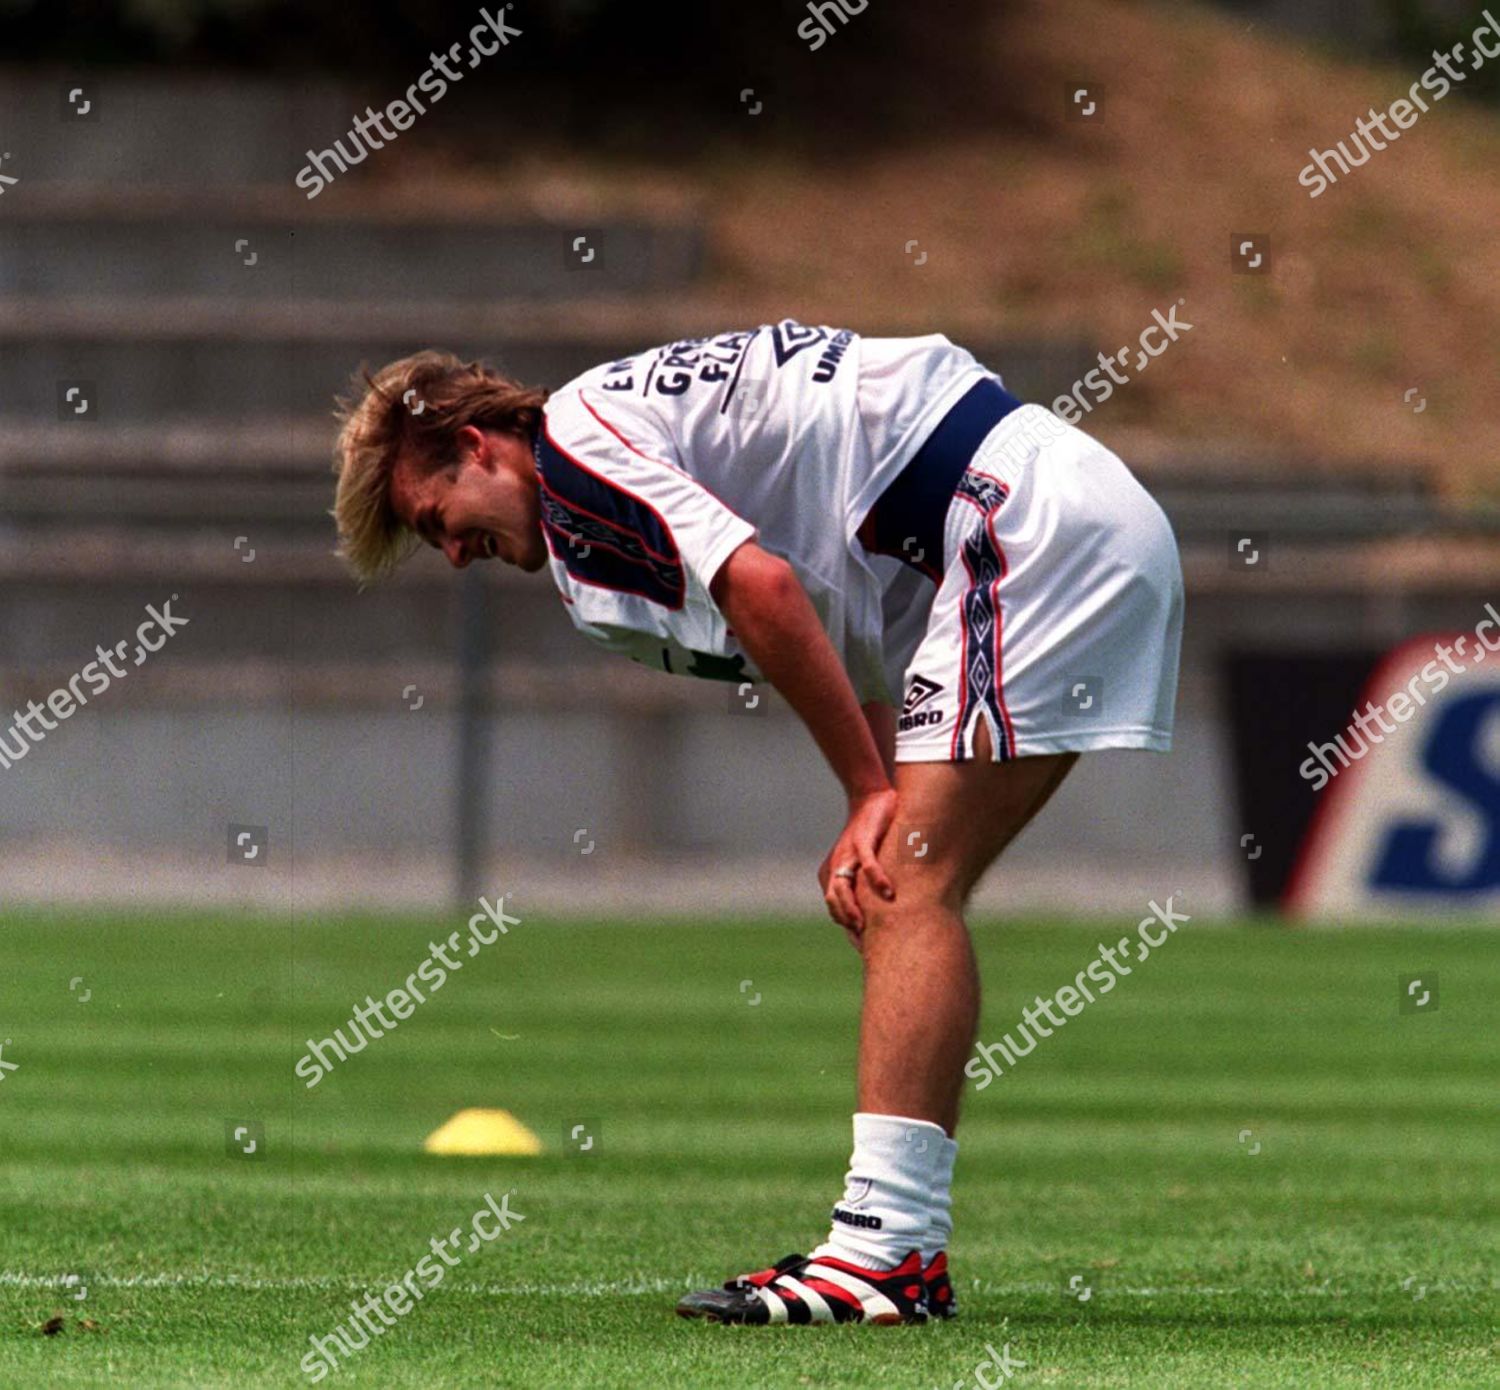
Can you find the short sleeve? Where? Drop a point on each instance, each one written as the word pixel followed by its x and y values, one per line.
pixel 621 513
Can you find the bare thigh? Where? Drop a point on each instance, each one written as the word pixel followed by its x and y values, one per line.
pixel 953 820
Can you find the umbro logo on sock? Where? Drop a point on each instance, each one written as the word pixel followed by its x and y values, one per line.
pixel 918 693
pixel 862 1220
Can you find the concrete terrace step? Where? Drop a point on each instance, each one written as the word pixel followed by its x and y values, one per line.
pixel 150 133
pixel 246 255
pixel 138 128
pixel 249 472
pixel 245 681
pixel 230 382
pixel 205 447
pixel 179 358
pixel 266 599
pixel 287 562
pixel 314 318
pixel 197 449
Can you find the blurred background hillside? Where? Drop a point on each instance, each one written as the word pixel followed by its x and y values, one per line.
pixel 921 170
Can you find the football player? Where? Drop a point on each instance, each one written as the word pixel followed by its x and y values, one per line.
pixel 958 593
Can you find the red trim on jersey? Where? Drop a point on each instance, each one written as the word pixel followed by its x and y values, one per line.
pixel 677 559
pixel 613 525
pixel 660 463
pixel 548 527
pixel 598 584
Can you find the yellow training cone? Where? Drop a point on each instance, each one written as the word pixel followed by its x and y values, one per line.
pixel 482 1132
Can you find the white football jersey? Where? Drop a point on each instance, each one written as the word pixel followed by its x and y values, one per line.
pixel 655 468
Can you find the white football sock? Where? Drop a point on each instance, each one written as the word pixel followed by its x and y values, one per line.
pixel 896 1193
pixel 941 1207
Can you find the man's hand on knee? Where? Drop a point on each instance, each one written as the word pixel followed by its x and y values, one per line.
pixel 853 865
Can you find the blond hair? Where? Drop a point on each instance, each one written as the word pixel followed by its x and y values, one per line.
pixel 415 406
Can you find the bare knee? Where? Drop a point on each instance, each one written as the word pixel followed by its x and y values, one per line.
pixel 924 888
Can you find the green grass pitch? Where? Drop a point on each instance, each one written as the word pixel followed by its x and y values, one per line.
pixel 1355 1246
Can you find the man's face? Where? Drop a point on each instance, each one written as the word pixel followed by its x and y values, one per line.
pixel 484 507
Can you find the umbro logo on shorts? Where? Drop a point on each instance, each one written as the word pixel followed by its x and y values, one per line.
pixel 913 716
pixel 918 693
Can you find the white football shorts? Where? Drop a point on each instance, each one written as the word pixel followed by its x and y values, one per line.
pixel 1058 620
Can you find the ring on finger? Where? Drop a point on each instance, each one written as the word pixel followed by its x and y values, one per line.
pixel 849 871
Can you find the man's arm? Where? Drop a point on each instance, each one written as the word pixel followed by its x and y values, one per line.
pixel 882 721
pixel 764 603
pixel 773 619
